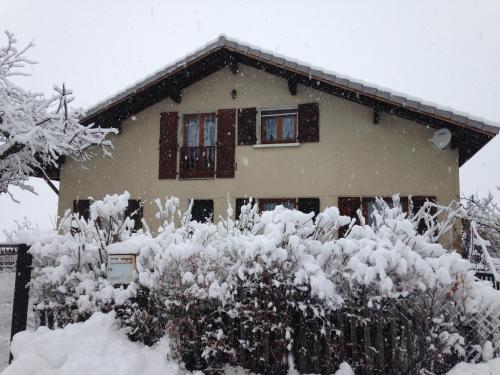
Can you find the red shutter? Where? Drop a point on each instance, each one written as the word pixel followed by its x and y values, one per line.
pixel 168 145
pixel 308 122
pixel 247 126
pixel 348 207
pixel 226 124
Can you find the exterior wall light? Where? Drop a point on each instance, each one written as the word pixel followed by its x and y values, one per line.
pixel 233 94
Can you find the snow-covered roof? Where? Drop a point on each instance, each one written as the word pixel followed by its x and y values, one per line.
pixel 314 74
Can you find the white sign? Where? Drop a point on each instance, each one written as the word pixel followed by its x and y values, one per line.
pixel 121 268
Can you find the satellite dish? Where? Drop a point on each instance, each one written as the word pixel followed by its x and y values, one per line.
pixel 441 139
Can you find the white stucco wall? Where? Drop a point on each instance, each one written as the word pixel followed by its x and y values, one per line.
pixel 354 157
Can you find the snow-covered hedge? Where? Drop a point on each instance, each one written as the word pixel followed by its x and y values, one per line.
pixel 278 277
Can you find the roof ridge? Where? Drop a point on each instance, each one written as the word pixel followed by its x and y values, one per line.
pixel 313 72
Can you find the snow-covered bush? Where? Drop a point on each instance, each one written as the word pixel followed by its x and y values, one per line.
pixel 276 289
pixel 69 274
pixel 485 213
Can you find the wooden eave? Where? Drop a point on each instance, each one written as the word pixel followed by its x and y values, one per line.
pixel 468 135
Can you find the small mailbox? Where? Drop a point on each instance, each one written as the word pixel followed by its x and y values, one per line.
pixel 121 268
pixel 122 261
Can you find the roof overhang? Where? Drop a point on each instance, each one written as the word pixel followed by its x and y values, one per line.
pixel 468 135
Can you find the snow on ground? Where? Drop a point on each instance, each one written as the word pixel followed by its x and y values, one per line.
pixel 96 347
pixel 490 368
pixel 7 280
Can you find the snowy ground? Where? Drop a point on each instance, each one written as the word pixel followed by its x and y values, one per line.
pixel 6 294
pixel 490 368
pixel 7 281
pixel 94 347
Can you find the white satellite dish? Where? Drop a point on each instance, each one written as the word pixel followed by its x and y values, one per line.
pixel 441 139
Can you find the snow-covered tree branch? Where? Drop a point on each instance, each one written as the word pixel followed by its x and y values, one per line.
pixel 35 131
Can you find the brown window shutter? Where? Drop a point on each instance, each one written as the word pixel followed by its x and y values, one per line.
pixel 82 208
pixel 168 145
pixel 418 202
pixel 226 124
pixel 348 207
pixel 308 122
pixel 134 211
pixel 247 126
pixel 307 205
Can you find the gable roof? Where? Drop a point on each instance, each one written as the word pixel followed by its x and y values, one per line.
pixel 469 135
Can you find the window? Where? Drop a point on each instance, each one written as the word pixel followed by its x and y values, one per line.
pixel 279 126
pixel 82 208
pixel 305 205
pixel 240 202
pixel 198 153
pixel 349 205
pixel 199 130
pixel 369 206
pixel 270 204
pixel 134 211
pixel 202 210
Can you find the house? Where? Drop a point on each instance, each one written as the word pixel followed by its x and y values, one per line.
pixel 232 119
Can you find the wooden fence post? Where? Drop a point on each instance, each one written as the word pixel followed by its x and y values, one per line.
pixel 394 347
pixel 265 352
pixel 21 292
pixel 380 346
pixel 354 341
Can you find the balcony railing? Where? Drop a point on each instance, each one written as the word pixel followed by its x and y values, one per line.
pixel 197 162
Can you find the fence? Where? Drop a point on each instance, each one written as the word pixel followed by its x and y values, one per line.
pixel 487 276
pixel 395 341
pixel 17 254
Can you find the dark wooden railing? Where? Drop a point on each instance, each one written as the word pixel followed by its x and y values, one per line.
pixel 488 276
pixel 197 162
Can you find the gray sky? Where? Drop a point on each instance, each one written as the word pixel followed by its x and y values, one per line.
pixel 446 52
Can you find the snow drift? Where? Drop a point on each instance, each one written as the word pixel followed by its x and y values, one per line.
pixel 96 347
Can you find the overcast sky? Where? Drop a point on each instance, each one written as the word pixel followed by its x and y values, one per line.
pixel 446 52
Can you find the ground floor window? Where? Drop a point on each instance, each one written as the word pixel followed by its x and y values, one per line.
pixel 269 204
pixel 133 210
pixel 202 210
pixel 305 205
pixel 82 208
pixel 367 204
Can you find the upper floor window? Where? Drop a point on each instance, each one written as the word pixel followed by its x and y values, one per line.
pixel 279 126
pixel 198 153
pixel 199 130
